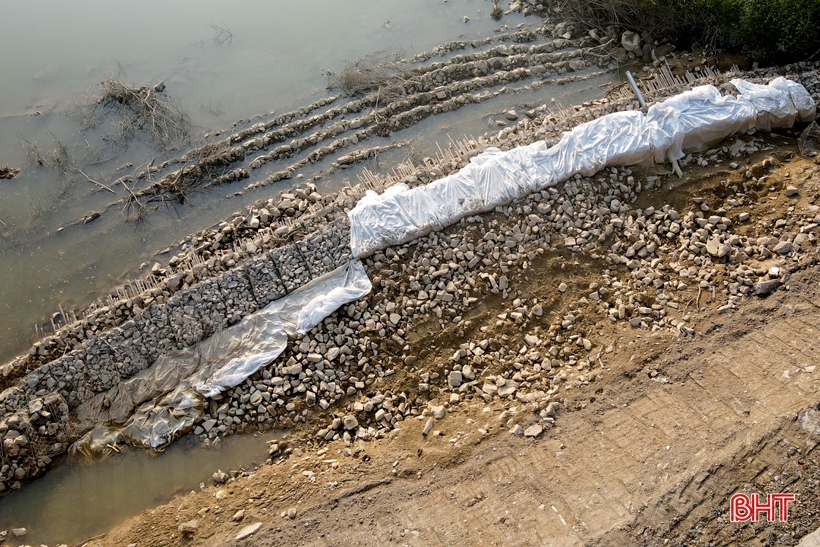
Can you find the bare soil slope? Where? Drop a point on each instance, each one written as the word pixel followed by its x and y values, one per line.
pixel 647 451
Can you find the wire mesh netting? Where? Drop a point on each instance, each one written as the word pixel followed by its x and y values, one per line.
pixel 809 142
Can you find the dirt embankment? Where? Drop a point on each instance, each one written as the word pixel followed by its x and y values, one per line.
pixel 649 428
pixel 489 333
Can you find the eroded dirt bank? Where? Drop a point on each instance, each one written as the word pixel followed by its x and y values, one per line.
pixel 647 431
pixel 478 352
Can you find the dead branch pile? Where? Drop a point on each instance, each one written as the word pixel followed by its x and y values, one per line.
pixel 8 172
pixel 497 11
pixel 660 19
pixel 134 110
pixel 368 74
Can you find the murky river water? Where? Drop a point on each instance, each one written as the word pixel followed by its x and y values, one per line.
pixel 273 59
pixel 80 500
pixel 224 61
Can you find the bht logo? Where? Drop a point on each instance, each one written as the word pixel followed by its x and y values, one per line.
pixel 743 508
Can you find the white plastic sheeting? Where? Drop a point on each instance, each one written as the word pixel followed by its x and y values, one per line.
pixel 694 119
pixel 690 120
pixel 171 393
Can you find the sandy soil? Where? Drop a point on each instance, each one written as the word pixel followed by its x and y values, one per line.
pixel 645 453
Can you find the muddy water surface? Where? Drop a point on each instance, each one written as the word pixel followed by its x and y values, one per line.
pixel 272 59
pixel 77 501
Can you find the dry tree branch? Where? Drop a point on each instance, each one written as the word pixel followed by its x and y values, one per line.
pixel 367 74
pixel 224 36
pixel 92 181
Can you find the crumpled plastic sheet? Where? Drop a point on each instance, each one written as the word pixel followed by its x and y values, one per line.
pixel 688 121
pixel 775 108
pixel 619 138
pixel 694 119
pixel 170 394
pixel 803 102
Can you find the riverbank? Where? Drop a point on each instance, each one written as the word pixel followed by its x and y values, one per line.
pixel 426 295
pixel 608 384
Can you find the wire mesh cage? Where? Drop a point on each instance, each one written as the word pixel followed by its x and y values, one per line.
pixel 809 142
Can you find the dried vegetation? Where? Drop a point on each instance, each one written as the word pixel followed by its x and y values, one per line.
pixel 128 110
pixel 377 72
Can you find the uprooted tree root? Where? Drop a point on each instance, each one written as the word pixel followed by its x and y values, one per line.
pixel 134 110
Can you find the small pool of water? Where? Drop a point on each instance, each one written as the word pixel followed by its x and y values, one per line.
pixel 79 500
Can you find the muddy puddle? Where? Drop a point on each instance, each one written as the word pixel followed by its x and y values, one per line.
pixel 79 500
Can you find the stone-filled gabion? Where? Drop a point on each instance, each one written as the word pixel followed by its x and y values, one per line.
pixel 212 309
pixel 326 249
pixel 101 361
pixel 291 265
pixel 129 356
pixel 237 294
pixel 197 312
pixel 30 437
pixel 184 319
pixel 157 335
pixel 11 399
pixel 70 373
pixel 265 281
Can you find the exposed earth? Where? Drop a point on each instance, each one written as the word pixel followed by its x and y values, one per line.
pixel 646 450
pixel 604 362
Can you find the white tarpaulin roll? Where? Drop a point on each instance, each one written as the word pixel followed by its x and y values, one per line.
pixel 774 105
pixel 695 118
pixel 688 121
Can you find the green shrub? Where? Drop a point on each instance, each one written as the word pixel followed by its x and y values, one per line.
pixel 779 31
pixel 770 31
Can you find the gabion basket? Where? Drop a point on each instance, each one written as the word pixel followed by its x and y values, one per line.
pixel 809 142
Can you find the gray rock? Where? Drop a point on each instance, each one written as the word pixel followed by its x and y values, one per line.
pixel 428 427
pixel 517 430
pixel 630 41
pixel 533 431
pixel 507 389
pixel 765 287
pixel 438 412
pixel 220 477
pixel 489 389
pixel 248 530
pixel 350 422
pixel 783 248
pixel 715 248
pixel 454 379
pixel 188 528
pixel 791 191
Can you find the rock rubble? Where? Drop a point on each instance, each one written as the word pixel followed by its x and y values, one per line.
pixel 656 265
